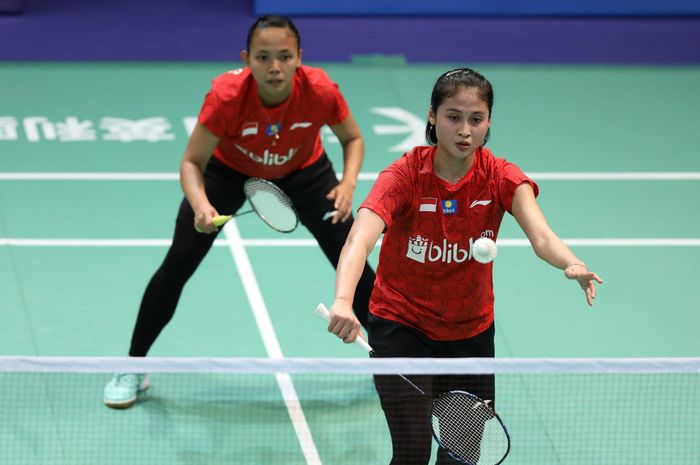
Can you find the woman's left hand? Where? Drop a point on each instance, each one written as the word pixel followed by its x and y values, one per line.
pixel 342 194
pixel 586 279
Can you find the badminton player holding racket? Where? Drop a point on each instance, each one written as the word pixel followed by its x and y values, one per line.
pixel 431 298
pixel 262 121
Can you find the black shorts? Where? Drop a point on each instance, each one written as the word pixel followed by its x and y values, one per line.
pixel 392 339
pixel 307 188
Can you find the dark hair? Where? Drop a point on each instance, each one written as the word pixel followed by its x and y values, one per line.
pixel 267 21
pixel 448 84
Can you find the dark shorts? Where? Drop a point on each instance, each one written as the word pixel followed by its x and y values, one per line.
pixel 307 188
pixel 391 339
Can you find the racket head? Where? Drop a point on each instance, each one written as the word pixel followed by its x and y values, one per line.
pixel 468 429
pixel 271 204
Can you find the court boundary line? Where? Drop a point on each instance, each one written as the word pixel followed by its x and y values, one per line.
pixel 364 176
pixel 573 242
pixel 267 332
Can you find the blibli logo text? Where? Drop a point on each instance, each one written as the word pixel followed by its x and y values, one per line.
pixel 420 249
pixel 269 158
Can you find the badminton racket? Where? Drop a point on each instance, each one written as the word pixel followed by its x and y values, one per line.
pixel 269 202
pixel 464 425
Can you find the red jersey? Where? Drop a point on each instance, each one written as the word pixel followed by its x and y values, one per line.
pixel 426 277
pixel 233 112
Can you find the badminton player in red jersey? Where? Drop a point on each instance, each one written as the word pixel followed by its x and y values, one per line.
pixel 431 298
pixel 260 121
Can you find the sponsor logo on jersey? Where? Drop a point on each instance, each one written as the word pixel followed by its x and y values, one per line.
pixel 273 129
pixel 449 207
pixel 304 124
pixel 422 249
pixel 428 204
pixel 479 202
pixel 269 158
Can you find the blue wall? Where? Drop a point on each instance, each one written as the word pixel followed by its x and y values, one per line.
pixel 215 30
pixel 11 6
pixel 481 8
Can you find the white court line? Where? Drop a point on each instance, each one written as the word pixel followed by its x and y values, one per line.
pixel 272 345
pixel 367 176
pixel 609 242
pixel 616 176
pixel 87 176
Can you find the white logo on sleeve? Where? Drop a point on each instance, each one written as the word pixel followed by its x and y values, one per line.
pixel 479 202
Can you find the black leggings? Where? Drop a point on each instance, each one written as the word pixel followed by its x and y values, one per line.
pixel 407 412
pixel 307 188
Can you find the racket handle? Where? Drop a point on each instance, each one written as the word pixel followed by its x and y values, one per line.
pixel 322 312
pixel 220 220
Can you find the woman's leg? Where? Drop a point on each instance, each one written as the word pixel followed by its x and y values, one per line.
pixel 407 412
pixel 188 249
pixel 482 386
pixel 163 291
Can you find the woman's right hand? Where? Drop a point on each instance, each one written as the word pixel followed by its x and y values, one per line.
pixel 343 322
pixel 203 219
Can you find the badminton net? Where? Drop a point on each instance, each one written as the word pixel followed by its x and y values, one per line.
pixel 326 411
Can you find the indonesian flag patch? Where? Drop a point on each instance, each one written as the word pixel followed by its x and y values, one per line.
pixel 249 129
pixel 428 204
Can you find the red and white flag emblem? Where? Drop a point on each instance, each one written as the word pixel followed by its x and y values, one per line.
pixel 428 204
pixel 249 129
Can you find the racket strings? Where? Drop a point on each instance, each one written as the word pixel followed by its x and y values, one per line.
pixel 271 204
pixel 467 427
pixel 254 186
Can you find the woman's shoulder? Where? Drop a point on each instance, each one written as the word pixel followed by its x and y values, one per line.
pixel 492 161
pixel 314 75
pixel 420 157
pixel 231 84
pixel 501 169
pixel 315 79
pixel 414 162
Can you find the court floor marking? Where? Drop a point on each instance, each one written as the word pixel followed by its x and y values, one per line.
pixel 364 176
pixel 575 242
pixel 272 346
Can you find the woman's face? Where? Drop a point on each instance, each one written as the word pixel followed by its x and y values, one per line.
pixel 461 122
pixel 273 58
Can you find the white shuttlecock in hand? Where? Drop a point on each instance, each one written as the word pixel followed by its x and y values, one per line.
pixel 484 250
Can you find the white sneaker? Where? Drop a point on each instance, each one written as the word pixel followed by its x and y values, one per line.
pixel 122 390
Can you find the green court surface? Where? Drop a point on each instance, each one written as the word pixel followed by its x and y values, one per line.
pixel 89 191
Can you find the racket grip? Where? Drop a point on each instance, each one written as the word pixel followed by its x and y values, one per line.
pixel 220 220
pixel 322 312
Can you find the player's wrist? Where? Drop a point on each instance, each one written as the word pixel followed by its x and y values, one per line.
pixel 575 264
pixel 344 300
pixel 349 180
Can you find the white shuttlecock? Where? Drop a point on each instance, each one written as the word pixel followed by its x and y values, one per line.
pixel 484 250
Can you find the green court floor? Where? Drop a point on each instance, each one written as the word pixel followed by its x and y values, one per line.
pixel 89 192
